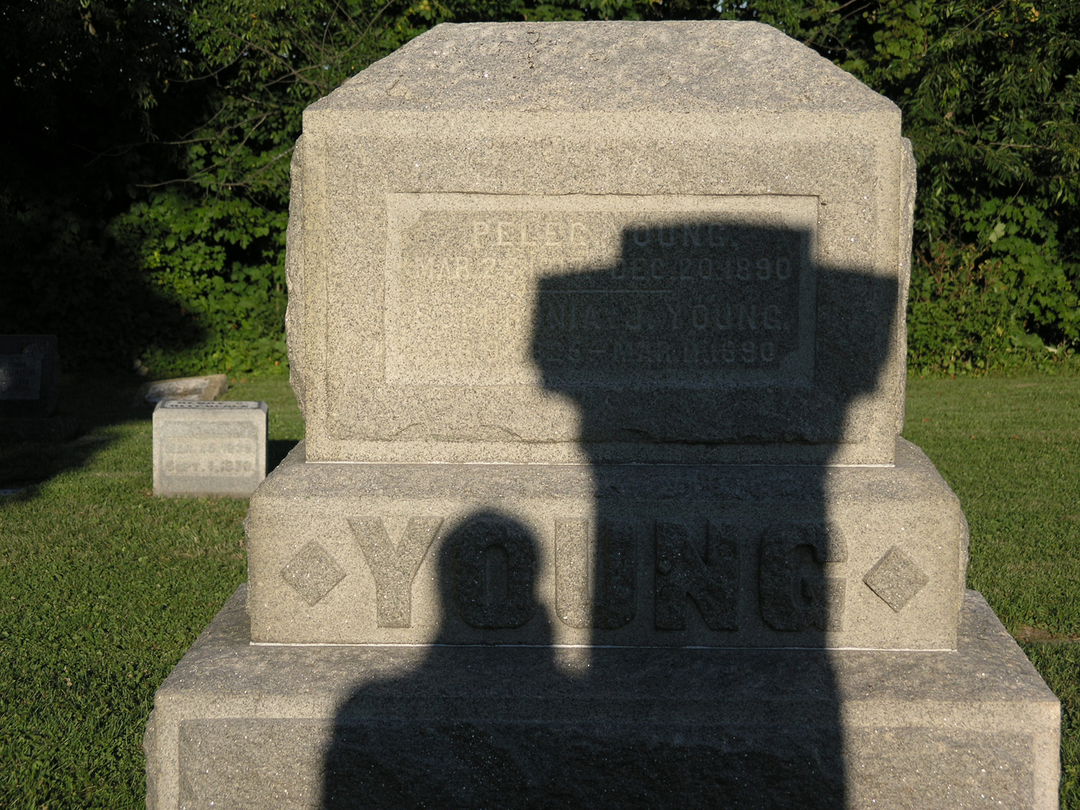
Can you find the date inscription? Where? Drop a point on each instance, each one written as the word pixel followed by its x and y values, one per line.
pixel 506 290
pixel 210 456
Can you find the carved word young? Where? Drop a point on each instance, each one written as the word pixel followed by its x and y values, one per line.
pixel 493 567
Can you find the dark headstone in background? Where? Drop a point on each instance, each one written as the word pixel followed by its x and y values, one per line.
pixel 29 375
pixel 30 390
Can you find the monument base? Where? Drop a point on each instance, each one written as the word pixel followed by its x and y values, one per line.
pixel 788 556
pixel 238 725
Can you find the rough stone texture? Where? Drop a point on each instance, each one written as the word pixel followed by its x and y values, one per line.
pixel 601 242
pixel 621 554
pixel 209 448
pixel 29 376
pixel 242 726
pixel 206 388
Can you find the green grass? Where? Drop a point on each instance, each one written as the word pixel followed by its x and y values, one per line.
pixel 104 587
pixel 1010 448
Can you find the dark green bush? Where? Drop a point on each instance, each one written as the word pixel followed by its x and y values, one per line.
pixel 142 213
pixel 221 263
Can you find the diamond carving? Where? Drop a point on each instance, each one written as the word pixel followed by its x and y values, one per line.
pixel 896 578
pixel 312 573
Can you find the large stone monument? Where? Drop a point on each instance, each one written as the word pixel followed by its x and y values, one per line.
pixel 598 332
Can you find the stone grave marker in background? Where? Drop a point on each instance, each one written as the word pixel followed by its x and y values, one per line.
pixel 205 389
pixel 209 448
pixel 30 389
pixel 598 333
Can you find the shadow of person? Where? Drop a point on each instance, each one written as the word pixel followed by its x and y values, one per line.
pixel 454 730
pixel 483 726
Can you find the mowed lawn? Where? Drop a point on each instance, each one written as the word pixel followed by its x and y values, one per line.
pixel 104 587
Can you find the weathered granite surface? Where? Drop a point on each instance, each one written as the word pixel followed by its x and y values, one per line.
pixel 598 332
pixel 581 242
pixel 684 555
pixel 242 726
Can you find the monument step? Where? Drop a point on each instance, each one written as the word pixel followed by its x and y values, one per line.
pixel 621 555
pixel 238 725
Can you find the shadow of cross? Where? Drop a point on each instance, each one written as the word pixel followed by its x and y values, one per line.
pixel 701 345
pixel 704 343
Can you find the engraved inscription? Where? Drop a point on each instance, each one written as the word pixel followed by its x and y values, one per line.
pixel 642 290
pixel 722 299
pixel 794 592
pixel 199 405
pixel 711 582
pixel 494 567
pixel 595 580
pixel 195 455
pixel 394 565
pixel 491 566
pixel 20 376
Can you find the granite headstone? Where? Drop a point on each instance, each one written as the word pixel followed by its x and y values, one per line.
pixel 209 448
pixel 30 390
pixel 29 375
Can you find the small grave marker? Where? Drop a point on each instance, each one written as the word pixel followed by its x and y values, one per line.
pixel 29 375
pixel 30 390
pixel 209 448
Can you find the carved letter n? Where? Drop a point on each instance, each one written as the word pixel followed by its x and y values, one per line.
pixel 681 573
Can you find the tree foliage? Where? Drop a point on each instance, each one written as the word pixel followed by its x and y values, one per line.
pixel 82 93
pixel 145 219
pixel 989 92
pixel 143 214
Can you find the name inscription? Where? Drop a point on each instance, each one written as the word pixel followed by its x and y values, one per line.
pixel 508 290
pixel 597 571
pixel 210 405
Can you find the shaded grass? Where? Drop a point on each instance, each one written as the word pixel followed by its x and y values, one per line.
pixel 104 587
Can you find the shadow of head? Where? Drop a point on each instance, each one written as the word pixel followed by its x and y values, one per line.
pixel 487 571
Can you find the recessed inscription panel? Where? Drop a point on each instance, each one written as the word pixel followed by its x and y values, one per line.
pixel 490 290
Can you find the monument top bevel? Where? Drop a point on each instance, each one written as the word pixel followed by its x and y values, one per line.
pixel 685 67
